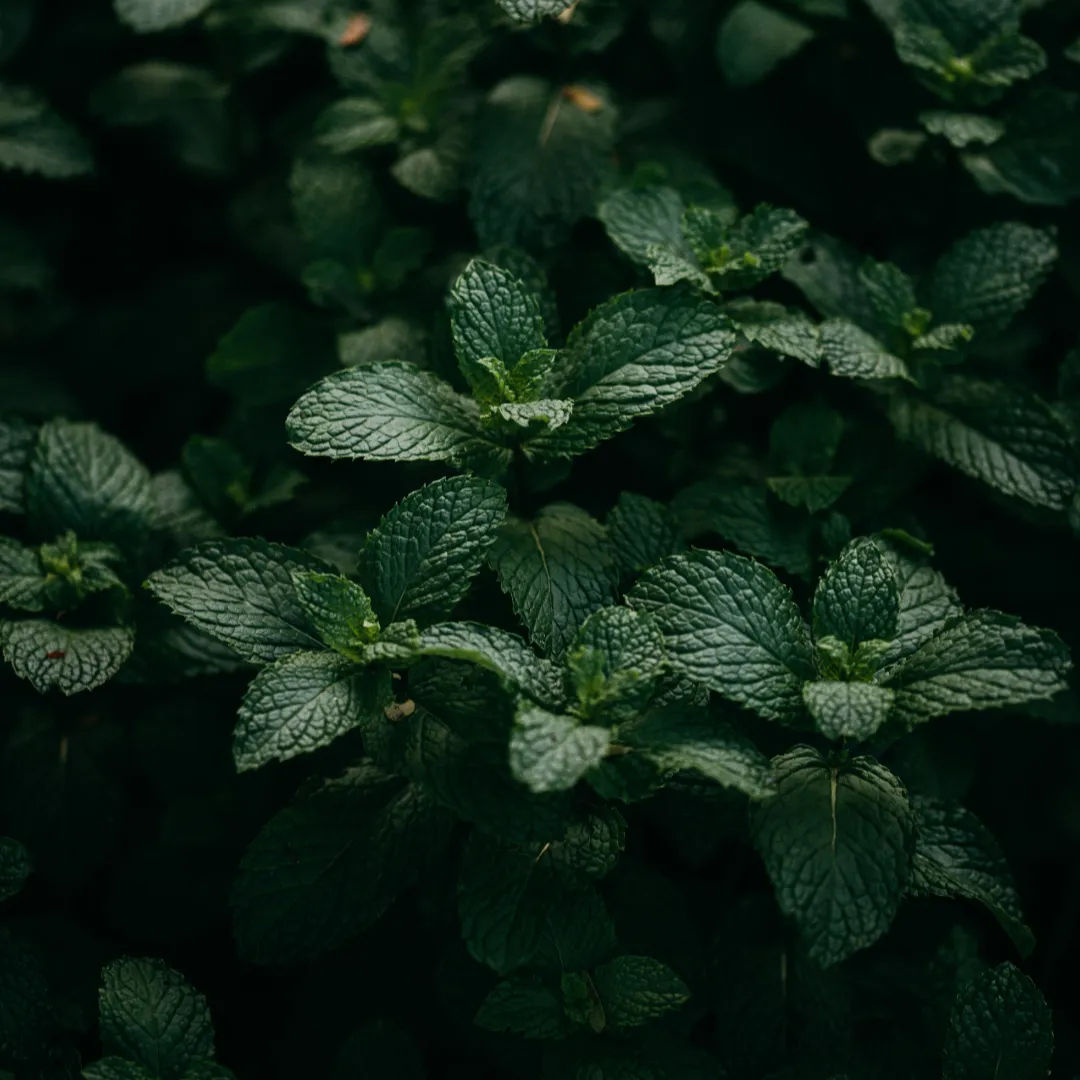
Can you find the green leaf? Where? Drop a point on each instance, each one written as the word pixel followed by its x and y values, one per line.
pixel 492 315
pixel 15 867
pixel 847 710
pixel 338 209
pixel 638 989
pixel 549 752
pixel 329 864
pixel 48 654
pixel 998 434
pixel 754 38
pixel 956 855
pixel 831 833
pixel 747 252
pixel 525 1005
pixel 82 479
pixel 532 10
pixel 539 161
pixel 782 330
pixel 857 599
pixel 635 355
pixel 504 895
pixel 338 609
pixel 116 1068
pixel 242 593
pixel 644 221
pixel 557 569
pixel 962 129
pixel 23 584
pixel 399 645
pixel 812 493
pixel 545 415
pixel 852 353
pixel 151 1015
pixel 1000 1029
pixel 304 701
pixel 17 440
pixel 391 412
pixel 730 624
pixel 642 532
pixel 982 660
pixel 35 139
pixel 356 123
pixel 578 933
pixel 148 16
pixel 421 558
pixel 989 277
pixel 679 737
pixel 591 845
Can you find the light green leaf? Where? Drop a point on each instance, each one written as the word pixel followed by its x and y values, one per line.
pixel 847 710
pixel 147 16
pixel 355 123
pixel 956 855
pixel 729 623
pixel 329 864
pixel 741 255
pixel 338 609
pixel 962 129
pixel 242 593
pixel 1000 1029
pixel 982 660
pixel 558 569
pixel 15 867
pixel 754 38
pixel 549 752
pixel 17 440
pixel 532 10
pixel 82 479
pixel 397 646
pixel 642 532
pixel 48 654
pixel 857 598
pixel 302 702
pixel 421 558
pixel 545 415
pixel 989 277
pixel 634 355
pixel 391 412
pixel 996 433
pixel 637 989
pixel 525 1005
pixel 644 221
pixel 35 139
pixel 150 1014
pixel 837 840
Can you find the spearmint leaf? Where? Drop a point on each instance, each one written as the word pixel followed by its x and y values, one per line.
pixel 956 855
pixel 591 845
pixel 48 654
pixel 989 277
pixel 638 989
pixel 356 123
pixel 998 434
pixel 525 1005
pixel 982 660
pixel 962 129
pixel 549 752
pixel 421 558
pixel 82 479
pixel 148 16
pixel 635 355
pixel 492 314
pixel 857 599
pixel 678 737
pixel 754 38
pixel 641 222
pixel 116 1068
pixel 391 412
pixel 831 834
pixel 891 291
pixel 504 895
pixel 23 584
pixel 538 162
pixel 852 353
pixel 17 440
pixel 150 1014
pixel 303 701
pixel 532 10
pixel 338 609
pixel 782 330
pixel 813 493
pixel 729 623
pixel 828 273
pixel 399 645
pixel 15 867
pixel 557 569
pixel 337 207
pixel 242 593
pixel 329 864
pixel 35 139
pixel 847 710
pixel 1000 1029
pixel 757 246
pixel 546 415
pixel 642 532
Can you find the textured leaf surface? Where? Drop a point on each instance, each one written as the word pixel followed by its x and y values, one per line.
pixel 852 353
pixel 956 855
pixel 848 710
pixel 242 592
pixel 22 579
pixel 754 38
pixel 16 446
pixel 729 622
pixel 389 412
pixel 558 569
pixel 48 654
pixel 152 1015
pixel 982 660
pixel 15 867
pixel 82 479
pixel 36 139
pixel 304 701
pixel 116 1068
pixel 857 600
pixel 531 10
pixel 634 355
pixel 525 1005
pixel 641 220
pixel 837 842
pixel 1000 1029
pixel 637 989
pixel 549 752
pixel 642 533
pixel 422 557
pixel 338 609
pixel 146 16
